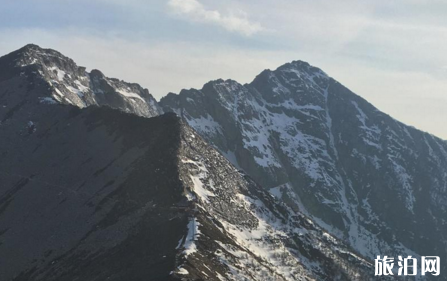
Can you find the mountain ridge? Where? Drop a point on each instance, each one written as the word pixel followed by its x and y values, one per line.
pixel 326 151
pixel 96 193
pixel 364 177
pixel 71 84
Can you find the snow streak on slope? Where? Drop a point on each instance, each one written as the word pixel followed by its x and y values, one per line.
pixel 245 234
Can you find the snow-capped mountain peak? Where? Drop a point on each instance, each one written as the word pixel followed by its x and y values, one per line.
pixel 360 174
pixel 69 83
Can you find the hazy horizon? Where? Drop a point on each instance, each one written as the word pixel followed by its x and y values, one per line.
pixel 390 53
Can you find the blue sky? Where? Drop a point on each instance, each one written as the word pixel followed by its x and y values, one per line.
pixel 390 52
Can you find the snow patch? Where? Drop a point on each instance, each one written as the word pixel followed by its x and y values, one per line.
pixel 128 94
pixel 205 125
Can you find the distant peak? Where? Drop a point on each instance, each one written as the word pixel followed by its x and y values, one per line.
pixel 97 73
pixel 296 64
pixel 303 67
pixel 300 63
pixel 221 82
pixel 33 54
pixel 216 81
pixel 35 50
pixel 31 46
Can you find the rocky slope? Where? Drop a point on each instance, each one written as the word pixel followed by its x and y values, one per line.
pixel 97 194
pixel 368 179
pixel 240 232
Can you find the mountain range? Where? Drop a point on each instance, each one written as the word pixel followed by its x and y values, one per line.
pixel 367 178
pixel 290 177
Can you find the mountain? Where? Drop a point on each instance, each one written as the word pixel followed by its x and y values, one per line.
pixel 68 83
pixel 369 180
pixel 89 192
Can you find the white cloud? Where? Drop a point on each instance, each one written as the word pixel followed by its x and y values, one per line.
pixel 195 11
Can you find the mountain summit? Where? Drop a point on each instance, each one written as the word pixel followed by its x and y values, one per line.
pixel 368 179
pixel 68 83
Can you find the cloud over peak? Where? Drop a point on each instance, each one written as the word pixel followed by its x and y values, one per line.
pixel 193 10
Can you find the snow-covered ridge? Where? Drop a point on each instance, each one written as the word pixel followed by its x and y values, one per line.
pixel 71 84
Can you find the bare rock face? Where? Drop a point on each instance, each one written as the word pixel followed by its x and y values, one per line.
pixel 369 180
pixel 92 193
